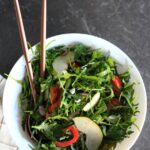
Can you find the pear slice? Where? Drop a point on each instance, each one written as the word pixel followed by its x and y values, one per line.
pixel 93 102
pixel 94 135
pixel 61 62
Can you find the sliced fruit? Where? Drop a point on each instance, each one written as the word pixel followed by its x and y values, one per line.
pixel 94 135
pixel 61 62
pixel 93 102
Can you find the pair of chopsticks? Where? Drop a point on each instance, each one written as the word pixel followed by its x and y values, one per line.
pixel 25 45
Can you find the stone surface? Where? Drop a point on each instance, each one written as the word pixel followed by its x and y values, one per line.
pixel 126 23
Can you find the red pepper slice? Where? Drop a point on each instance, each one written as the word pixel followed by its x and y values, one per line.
pixel 55 97
pixel 117 82
pixel 54 105
pixel 55 92
pixel 116 91
pixel 112 103
pixel 75 134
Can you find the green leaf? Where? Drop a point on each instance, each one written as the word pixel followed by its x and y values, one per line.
pixel 116 133
pixel 111 62
pixel 96 54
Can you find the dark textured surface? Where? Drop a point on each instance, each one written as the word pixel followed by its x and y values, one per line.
pixel 126 23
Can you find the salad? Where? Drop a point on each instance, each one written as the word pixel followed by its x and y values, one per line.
pixel 83 103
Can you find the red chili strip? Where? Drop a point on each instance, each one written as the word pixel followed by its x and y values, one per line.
pixel 75 134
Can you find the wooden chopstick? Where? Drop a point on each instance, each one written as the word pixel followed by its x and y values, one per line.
pixel 24 47
pixel 43 37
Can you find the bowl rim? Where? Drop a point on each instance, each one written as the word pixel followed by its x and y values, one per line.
pixel 88 36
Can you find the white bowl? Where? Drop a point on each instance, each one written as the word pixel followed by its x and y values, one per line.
pixel 13 89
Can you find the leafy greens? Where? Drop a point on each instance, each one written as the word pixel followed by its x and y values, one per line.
pixel 90 72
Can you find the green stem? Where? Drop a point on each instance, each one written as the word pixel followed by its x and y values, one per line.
pixel 90 77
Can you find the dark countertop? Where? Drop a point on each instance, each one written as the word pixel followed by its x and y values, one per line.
pixel 126 23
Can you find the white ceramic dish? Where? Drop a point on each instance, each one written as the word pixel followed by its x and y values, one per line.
pixel 12 89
